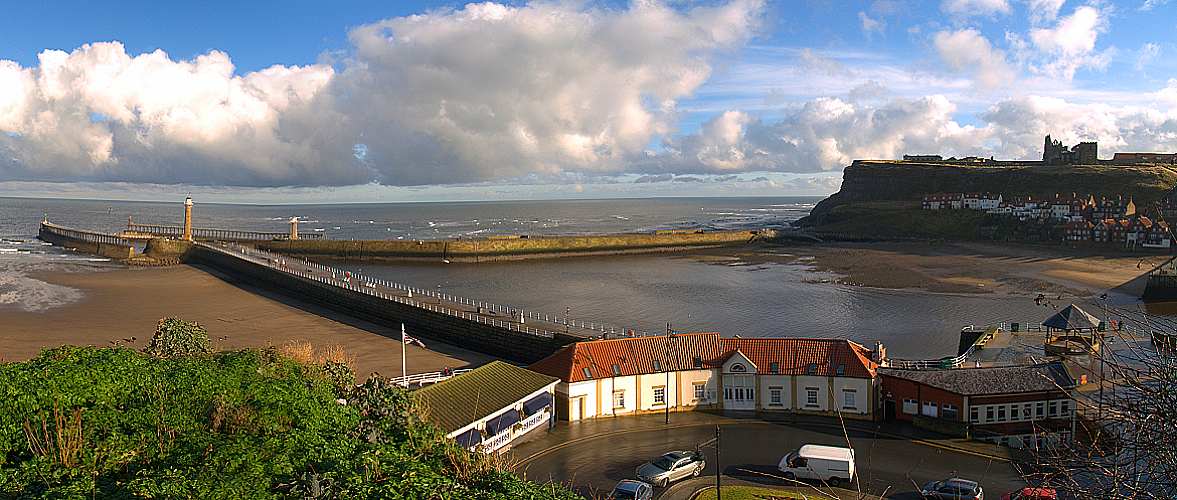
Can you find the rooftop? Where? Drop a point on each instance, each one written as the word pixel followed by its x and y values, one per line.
pixel 991 380
pixel 693 351
pixel 455 403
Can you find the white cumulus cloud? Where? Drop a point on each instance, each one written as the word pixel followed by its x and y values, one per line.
pixel 969 51
pixel 483 92
pixel 975 7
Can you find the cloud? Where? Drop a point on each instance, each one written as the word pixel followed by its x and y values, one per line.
pixel 969 51
pixel 1151 4
pixel 871 25
pixel 1044 10
pixel 484 92
pixel 963 8
pixel 1070 44
pixel 1146 55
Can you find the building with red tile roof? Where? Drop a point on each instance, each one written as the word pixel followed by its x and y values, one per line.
pixel 692 370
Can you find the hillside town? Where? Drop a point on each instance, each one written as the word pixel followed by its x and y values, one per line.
pixel 1114 222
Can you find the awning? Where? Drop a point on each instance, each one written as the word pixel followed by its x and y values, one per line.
pixel 537 404
pixel 502 422
pixel 469 439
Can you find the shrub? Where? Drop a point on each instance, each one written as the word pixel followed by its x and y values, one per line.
pixel 87 422
pixel 176 337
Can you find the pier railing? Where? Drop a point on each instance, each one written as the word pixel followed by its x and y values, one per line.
pixel 372 286
pixel 83 235
pixel 204 233
pixel 424 379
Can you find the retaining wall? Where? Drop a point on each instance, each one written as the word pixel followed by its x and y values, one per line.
pixel 516 346
pixel 500 248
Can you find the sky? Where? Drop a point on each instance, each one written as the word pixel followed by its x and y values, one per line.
pixel 413 101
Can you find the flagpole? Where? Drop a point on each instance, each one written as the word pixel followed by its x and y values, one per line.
pixel 403 345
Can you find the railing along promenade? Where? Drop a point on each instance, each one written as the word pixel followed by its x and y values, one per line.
pixel 214 234
pixel 480 311
pixel 424 379
pixel 87 236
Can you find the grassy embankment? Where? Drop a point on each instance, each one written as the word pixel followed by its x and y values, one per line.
pixel 179 421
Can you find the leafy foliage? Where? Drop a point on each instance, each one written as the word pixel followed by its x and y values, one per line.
pixel 176 337
pixel 115 423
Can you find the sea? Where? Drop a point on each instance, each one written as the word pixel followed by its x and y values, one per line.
pixel 650 293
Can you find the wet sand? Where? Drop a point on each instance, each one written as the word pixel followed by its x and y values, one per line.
pixel 969 267
pixel 122 304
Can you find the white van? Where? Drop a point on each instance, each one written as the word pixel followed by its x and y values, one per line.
pixel 831 464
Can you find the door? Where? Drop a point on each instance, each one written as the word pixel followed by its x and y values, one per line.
pixel 889 410
pixel 738 392
pixel 576 408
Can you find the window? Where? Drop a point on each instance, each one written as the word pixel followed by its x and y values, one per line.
pixel 974 414
pixel 848 398
pixel 1065 408
pixel 810 396
pixel 774 396
pixel 1027 410
pixel 840 370
pixel 948 411
pixel 811 369
pixel 700 391
pixel 1001 413
pixel 988 413
pixel 739 368
pixel 910 406
pixel 616 370
pixel 618 399
pixel 929 409
pixel 1013 412
pixel 586 372
pixel 1053 409
pixel 1039 409
pixel 698 362
pixel 774 367
pixel 660 395
pixel 657 365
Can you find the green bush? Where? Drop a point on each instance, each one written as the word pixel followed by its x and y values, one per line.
pixel 176 337
pixel 114 423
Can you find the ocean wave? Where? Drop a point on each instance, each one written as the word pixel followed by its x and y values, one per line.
pixel 19 290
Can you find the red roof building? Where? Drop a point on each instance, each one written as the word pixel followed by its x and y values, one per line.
pixel 684 371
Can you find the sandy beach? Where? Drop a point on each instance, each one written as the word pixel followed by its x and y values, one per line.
pixel 125 304
pixel 969 267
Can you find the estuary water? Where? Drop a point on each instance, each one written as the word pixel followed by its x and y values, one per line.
pixel 640 292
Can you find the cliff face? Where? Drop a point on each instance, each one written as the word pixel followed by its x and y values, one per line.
pixel 884 181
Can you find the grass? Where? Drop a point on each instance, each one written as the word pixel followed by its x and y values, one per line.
pixel 759 493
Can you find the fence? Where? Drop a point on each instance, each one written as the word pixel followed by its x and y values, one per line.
pixel 424 379
pixel 371 286
pixel 946 362
pixel 87 236
pixel 215 234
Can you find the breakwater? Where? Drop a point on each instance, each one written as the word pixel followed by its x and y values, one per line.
pixel 91 242
pixel 481 327
pixel 513 247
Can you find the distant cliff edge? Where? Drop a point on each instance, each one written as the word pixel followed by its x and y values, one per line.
pixel 882 198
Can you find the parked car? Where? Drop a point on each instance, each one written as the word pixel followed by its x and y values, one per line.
pixel 831 464
pixel 953 489
pixel 671 467
pixel 1032 494
pixel 628 489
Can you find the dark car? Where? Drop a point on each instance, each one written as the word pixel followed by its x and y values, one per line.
pixel 953 489
pixel 628 489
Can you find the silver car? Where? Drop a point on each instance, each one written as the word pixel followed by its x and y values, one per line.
pixel 628 489
pixel 671 467
pixel 953 489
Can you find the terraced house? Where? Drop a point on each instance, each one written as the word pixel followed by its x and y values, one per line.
pixel 628 376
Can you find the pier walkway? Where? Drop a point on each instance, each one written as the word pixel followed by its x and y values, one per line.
pixel 497 315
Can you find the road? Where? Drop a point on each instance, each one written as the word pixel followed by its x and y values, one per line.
pixel 887 466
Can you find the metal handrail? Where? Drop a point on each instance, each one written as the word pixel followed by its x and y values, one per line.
pixel 268 259
pixel 421 379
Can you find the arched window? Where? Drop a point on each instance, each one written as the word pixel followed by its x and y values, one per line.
pixel 739 368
